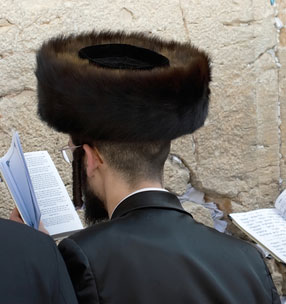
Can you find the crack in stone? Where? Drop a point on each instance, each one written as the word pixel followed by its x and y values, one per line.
pixel 279 136
pixel 129 12
pixel 177 159
pixel 6 54
pixel 47 22
pixel 5 22
pixel 184 21
pixel 238 22
pixel 16 93
pixel 195 151
pixel 269 50
pixel 277 60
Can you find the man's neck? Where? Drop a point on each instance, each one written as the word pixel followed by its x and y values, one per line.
pixel 117 190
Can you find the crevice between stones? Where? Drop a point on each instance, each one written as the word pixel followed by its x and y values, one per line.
pixel 128 11
pixel 269 50
pixel 184 21
pixel 278 64
pixel 15 93
pixel 195 196
pixel 5 22
pixel 176 158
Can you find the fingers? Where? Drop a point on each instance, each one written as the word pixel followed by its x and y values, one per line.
pixel 42 228
pixel 15 216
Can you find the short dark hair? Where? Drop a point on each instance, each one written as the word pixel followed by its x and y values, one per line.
pixel 136 161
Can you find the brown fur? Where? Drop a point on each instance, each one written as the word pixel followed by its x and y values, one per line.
pixel 77 97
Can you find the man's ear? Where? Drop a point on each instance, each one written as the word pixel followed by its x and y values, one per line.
pixel 93 159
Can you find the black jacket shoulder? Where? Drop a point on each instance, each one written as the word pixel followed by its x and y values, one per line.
pixel 32 269
pixel 152 251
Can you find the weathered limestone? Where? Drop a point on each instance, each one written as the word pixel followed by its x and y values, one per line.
pixel 199 213
pixel 239 158
pixel 19 113
pixel 279 270
pixel 176 175
pixel 236 154
pixel 282 88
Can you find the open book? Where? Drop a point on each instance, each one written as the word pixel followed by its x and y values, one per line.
pixel 267 227
pixel 38 191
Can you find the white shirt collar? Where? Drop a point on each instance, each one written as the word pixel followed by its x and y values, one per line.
pixel 135 192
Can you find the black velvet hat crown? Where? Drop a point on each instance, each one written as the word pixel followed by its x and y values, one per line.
pixel 122 87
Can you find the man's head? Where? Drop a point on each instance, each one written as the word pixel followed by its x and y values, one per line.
pixel 134 164
pixel 130 94
pixel 135 161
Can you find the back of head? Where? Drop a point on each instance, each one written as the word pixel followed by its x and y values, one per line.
pixel 136 161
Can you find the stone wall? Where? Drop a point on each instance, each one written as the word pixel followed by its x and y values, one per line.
pixel 238 158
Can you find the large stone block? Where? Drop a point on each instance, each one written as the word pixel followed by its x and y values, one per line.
pixel 25 24
pixel 19 113
pixel 282 99
pixel 176 175
pixel 236 153
pixel 200 213
pixel 281 54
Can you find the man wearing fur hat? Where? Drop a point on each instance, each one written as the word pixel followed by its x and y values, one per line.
pixel 122 98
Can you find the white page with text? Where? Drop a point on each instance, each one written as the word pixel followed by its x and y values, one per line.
pixel 58 213
pixel 267 226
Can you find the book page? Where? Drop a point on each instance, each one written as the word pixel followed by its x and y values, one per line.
pixel 58 213
pixel 280 204
pixel 267 227
pixel 15 173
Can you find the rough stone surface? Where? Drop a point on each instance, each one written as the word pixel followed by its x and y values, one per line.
pixel 199 213
pixel 281 54
pixel 282 98
pixel 278 272
pixel 236 154
pixel 238 158
pixel 18 113
pixel 176 175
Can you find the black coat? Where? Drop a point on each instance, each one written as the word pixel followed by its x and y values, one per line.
pixel 153 252
pixel 32 270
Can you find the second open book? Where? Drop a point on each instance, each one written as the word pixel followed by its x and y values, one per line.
pixel 266 226
pixel 38 191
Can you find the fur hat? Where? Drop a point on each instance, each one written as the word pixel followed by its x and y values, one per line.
pixel 160 102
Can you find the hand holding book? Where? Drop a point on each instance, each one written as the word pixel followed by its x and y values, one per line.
pixel 38 191
pixel 15 173
pixel 16 217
